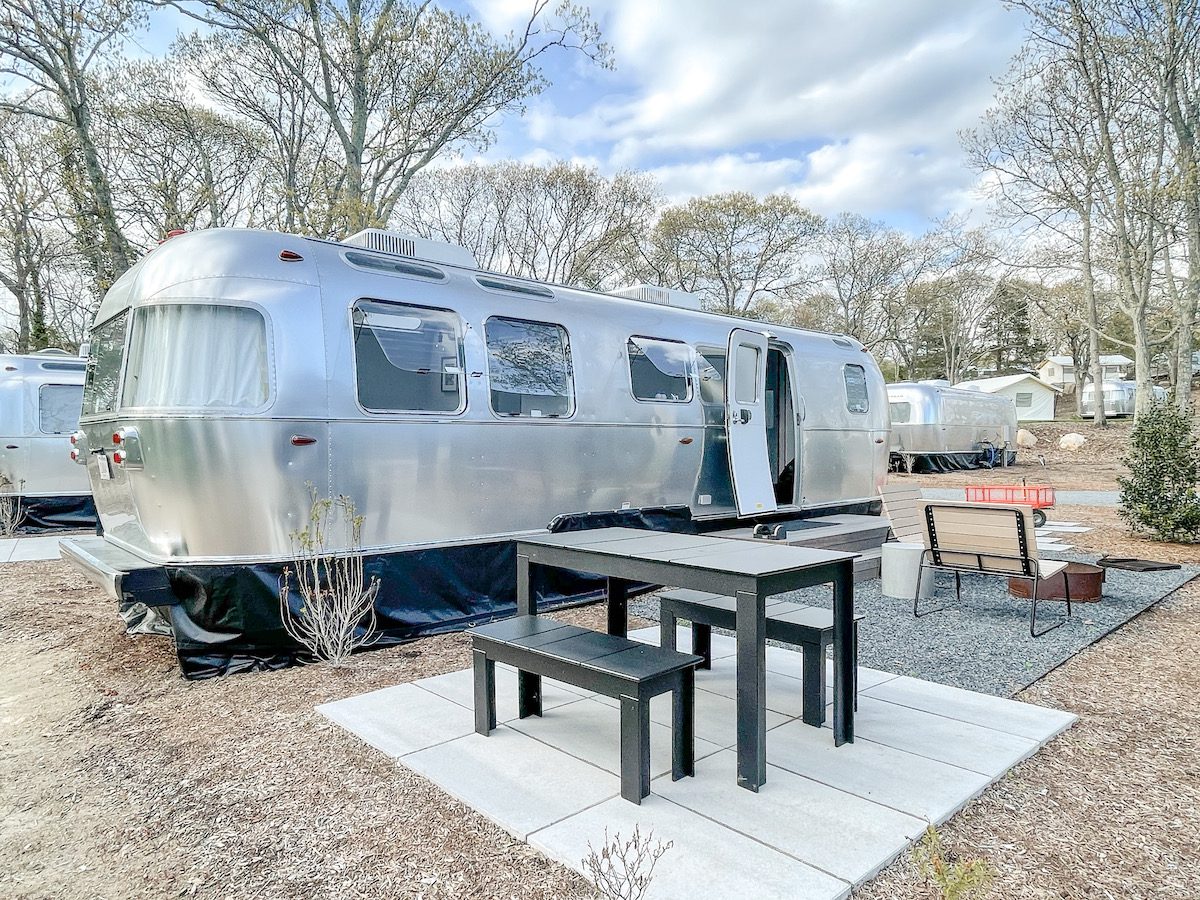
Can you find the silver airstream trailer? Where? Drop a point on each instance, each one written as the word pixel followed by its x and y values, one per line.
pixel 232 369
pixel 1120 398
pixel 40 397
pixel 937 428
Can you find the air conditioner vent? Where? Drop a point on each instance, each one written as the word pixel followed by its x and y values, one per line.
pixel 382 241
pixel 649 293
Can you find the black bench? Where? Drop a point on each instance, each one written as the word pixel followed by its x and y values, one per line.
pixel 606 664
pixel 810 627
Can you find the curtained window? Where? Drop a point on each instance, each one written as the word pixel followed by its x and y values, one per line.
pixel 197 356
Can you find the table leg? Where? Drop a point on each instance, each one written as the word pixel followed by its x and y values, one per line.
pixel 751 690
pixel 618 606
pixel 843 653
pixel 525 602
pixel 529 686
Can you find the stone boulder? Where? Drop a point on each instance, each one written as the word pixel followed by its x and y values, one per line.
pixel 1072 441
pixel 1026 439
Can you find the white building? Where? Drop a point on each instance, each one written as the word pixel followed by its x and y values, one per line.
pixel 1060 370
pixel 1033 398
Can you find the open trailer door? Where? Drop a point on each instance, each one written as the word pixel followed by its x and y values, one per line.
pixel 746 422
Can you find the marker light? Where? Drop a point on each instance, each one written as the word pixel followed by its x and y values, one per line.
pixel 118 457
pixel 116 437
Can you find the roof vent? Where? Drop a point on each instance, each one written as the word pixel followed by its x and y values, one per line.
pixel 383 241
pixel 649 293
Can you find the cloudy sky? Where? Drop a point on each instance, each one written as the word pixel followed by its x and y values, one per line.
pixel 845 104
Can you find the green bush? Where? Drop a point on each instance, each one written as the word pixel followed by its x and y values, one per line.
pixel 1158 497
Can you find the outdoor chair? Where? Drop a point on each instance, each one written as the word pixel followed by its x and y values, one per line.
pixel 900 506
pixel 986 539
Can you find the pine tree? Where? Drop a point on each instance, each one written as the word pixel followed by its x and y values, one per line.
pixel 1158 497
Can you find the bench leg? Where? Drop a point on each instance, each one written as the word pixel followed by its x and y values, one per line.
pixel 702 643
pixel 618 606
pixel 635 749
pixel 529 694
pixel 814 683
pixel 683 726
pixel 666 627
pixel 485 692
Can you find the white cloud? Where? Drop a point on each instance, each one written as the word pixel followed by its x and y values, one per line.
pixel 847 105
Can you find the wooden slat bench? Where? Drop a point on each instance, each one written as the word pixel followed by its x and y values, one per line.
pixel 986 539
pixel 616 667
pixel 809 627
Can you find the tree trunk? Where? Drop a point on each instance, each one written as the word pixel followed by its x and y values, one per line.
pixel 1093 321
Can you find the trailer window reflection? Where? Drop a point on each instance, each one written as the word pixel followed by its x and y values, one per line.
pixel 196 356
pixel 58 407
pixel 104 366
pixel 407 358
pixel 529 368
pixel 857 400
pixel 712 376
pixel 659 370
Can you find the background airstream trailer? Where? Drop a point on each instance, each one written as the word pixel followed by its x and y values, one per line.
pixel 458 408
pixel 1119 398
pixel 40 398
pixel 937 428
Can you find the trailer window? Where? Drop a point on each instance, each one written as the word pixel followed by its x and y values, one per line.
pixel 857 400
pixel 1025 400
pixel 196 356
pixel 659 370
pixel 407 358
pixel 711 364
pixel 900 413
pixel 58 407
pixel 104 366
pixel 529 368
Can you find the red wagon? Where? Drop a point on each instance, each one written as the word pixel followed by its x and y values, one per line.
pixel 1039 496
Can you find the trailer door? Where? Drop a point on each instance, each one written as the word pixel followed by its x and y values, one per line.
pixel 746 422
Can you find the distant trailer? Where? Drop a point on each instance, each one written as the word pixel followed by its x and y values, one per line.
pixel 40 398
pixel 1119 398
pixel 937 428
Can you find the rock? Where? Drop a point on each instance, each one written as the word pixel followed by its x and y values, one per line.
pixel 1026 439
pixel 1072 441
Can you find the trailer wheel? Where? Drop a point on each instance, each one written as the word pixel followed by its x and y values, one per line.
pixel 1039 518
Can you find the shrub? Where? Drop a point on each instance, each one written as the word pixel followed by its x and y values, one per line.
pixel 11 513
pixel 335 612
pixel 1158 497
pixel 954 880
pixel 622 870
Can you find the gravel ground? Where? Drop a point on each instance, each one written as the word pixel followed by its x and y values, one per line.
pixel 984 644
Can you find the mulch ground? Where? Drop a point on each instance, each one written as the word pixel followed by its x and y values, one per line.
pixel 119 779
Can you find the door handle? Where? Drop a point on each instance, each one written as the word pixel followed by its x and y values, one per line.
pixel 744 416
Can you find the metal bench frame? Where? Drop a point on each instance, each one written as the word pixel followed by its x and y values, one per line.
pixel 676 674
pixel 697 607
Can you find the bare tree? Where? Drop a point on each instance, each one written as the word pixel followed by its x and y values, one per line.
pixel 561 223
pixel 397 84
pixel 55 48
pixel 745 256
pixel 175 163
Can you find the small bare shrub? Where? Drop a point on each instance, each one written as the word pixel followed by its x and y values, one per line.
pixel 623 870
pixel 336 610
pixel 11 513
pixel 954 880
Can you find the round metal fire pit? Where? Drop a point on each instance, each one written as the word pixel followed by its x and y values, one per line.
pixel 1087 584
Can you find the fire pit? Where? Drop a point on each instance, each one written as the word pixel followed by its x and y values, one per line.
pixel 1087 584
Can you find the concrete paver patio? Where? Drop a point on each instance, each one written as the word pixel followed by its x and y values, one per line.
pixel 28 549
pixel 826 820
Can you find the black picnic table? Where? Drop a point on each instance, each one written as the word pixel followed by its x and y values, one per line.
pixel 751 572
